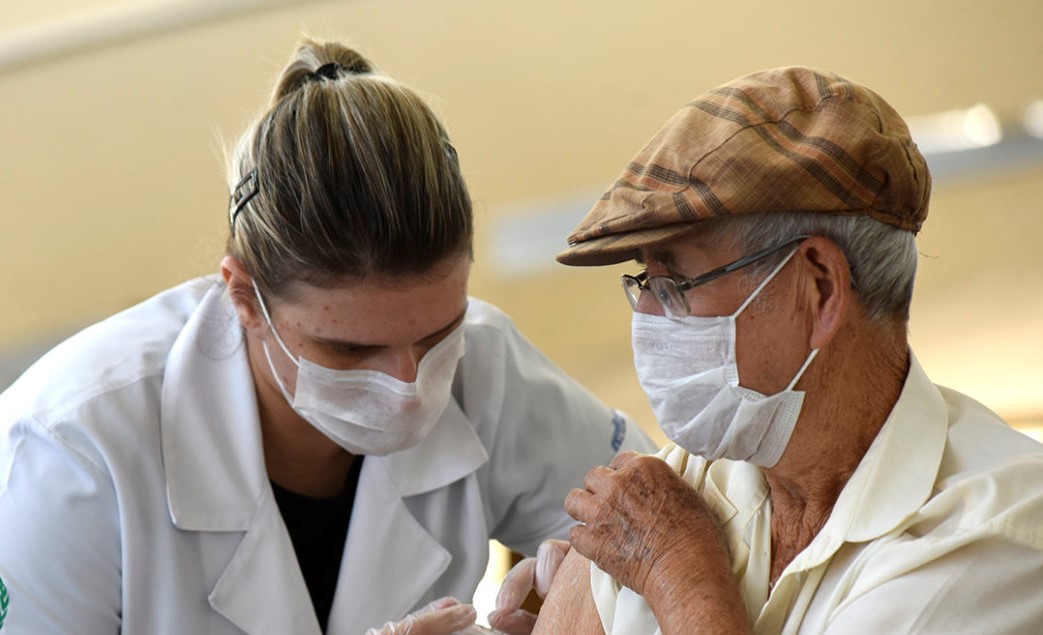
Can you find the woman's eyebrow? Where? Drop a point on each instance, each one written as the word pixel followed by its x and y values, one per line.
pixel 348 344
pixel 448 327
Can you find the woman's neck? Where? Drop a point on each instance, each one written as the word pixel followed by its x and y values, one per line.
pixel 297 456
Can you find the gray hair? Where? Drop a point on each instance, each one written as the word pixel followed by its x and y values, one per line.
pixel 882 257
pixel 348 173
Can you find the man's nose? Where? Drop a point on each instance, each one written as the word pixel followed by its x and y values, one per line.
pixel 648 303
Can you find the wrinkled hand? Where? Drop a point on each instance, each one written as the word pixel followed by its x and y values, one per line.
pixel 441 617
pixel 528 575
pixel 641 522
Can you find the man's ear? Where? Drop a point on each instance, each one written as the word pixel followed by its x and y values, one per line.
pixel 830 290
pixel 241 290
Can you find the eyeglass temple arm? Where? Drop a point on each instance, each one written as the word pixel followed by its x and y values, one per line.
pixel 738 264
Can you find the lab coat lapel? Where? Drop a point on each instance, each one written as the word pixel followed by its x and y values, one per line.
pixel 450 452
pixel 216 478
pixel 262 590
pixel 210 430
pixel 390 559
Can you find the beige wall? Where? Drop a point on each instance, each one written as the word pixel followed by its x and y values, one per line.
pixel 111 185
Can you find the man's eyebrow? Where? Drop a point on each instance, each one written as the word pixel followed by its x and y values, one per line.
pixel 359 345
pixel 658 256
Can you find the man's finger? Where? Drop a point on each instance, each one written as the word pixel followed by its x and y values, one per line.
pixel 596 477
pixel 623 458
pixel 582 540
pixel 582 505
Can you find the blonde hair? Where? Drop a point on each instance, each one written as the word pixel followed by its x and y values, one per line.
pixel 347 174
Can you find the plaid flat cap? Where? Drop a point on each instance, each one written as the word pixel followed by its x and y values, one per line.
pixel 785 139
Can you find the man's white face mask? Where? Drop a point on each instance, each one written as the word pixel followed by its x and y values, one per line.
pixel 367 411
pixel 688 370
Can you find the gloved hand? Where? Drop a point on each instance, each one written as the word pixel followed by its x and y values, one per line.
pixel 441 617
pixel 529 574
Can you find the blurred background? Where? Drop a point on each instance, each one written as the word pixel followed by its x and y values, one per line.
pixel 114 115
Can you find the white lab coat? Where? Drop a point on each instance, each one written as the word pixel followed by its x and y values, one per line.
pixel 134 497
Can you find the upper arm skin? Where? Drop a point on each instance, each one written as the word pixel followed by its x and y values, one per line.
pixel 569 606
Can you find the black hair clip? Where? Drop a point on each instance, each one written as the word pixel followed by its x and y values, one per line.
pixel 327 71
pixel 242 194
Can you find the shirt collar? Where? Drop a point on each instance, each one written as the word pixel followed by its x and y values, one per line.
pixel 896 476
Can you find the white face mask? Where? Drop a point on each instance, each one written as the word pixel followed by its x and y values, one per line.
pixel 687 368
pixel 367 411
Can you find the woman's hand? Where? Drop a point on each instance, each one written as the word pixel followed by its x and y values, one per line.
pixel 441 617
pixel 530 574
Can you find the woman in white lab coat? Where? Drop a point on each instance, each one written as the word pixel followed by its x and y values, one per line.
pixel 321 439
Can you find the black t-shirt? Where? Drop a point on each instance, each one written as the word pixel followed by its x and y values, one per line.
pixel 318 528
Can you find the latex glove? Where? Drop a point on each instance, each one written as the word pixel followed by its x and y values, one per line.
pixel 528 575
pixel 444 616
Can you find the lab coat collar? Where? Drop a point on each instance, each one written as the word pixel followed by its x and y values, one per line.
pixel 390 560
pixel 451 451
pixel 262 590
pixel 216 481
pixel 208 393
pixel 895 477
pixel 212 448
pixel 387 548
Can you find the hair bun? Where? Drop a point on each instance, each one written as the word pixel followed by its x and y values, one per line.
pixel 349 60
pixel 329 70
pixel 316 60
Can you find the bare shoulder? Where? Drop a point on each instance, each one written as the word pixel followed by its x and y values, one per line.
pixel 569 606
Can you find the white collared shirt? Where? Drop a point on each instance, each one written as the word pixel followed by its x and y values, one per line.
pixel 939 530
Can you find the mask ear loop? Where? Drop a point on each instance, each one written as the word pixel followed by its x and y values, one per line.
pixel 756 292
pixel 800 373
pixel 765 282
pixel 271 325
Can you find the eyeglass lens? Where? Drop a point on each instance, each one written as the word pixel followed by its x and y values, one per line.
pixel 632 287
pixel 669 297
pixel 664 290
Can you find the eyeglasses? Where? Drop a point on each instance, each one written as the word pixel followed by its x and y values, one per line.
pixel 670 292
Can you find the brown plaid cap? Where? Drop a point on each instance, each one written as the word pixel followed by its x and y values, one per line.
pixel 785 139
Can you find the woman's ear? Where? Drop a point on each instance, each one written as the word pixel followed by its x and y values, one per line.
pixel 241 291
pixel 832 296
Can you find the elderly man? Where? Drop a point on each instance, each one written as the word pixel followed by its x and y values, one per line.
pixel 818 482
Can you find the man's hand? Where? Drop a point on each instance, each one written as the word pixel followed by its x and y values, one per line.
pixel 643 525
pixel 441 617
pixel 531 574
